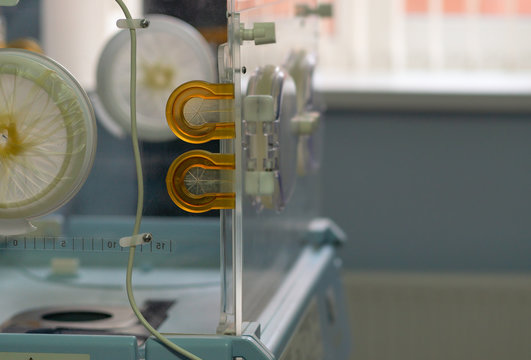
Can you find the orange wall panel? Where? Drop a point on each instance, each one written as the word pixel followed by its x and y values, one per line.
pixel 454 6
pixel 416 6
pixel 524 7
pixel 494 7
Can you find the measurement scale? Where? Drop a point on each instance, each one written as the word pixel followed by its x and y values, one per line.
pixel 80 244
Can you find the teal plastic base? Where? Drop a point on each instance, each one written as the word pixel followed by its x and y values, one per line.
pixel 211 348
pixel 96 347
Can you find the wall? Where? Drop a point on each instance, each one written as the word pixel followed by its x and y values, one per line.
pixel 438 192
pixel 22 20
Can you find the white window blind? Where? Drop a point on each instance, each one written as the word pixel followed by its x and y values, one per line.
pixel 396 36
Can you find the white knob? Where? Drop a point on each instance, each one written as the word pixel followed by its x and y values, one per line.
pixel 261 33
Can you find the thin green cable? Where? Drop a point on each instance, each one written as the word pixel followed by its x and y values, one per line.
pixel 140 203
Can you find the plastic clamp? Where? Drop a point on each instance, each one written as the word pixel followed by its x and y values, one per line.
pixel 132 24
pixel 139 239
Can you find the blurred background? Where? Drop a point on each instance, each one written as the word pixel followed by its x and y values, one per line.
pixel 427 168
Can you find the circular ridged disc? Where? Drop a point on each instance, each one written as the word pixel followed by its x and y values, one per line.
pixel 170 52
pixel 47 135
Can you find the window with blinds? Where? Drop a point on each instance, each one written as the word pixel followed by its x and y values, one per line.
pixel 394 36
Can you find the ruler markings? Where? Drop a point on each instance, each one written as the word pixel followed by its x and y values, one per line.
pixel 79 244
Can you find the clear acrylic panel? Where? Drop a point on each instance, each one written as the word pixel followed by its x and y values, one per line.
pixel 74 258
pixel 214 270
pixel 277 186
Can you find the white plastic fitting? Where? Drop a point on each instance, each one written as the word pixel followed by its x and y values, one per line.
pixel 8 2
pixel 306 123
pixel 322 10
pixel 261 33
pixel 64 266
pixel 259 183
pixel 258 108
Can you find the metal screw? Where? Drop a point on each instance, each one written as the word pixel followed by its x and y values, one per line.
pixel 144 23
pixel 147 238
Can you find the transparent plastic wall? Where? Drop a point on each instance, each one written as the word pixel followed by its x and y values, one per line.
pixel 277 149
pixel 181 263
pixel 264 49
